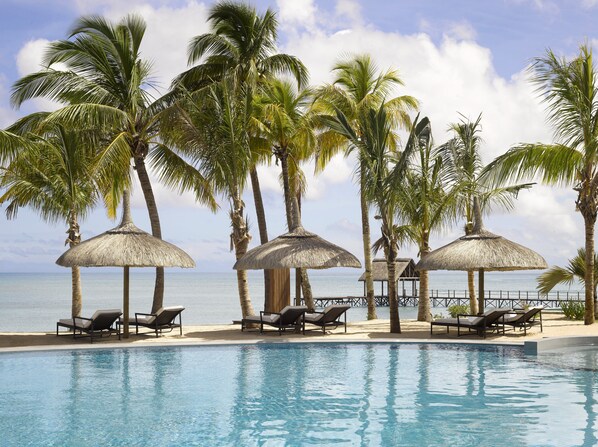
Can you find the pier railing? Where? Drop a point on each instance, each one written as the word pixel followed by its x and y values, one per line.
pixel 445 298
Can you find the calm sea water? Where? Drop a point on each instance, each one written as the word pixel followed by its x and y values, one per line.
pixel 35 301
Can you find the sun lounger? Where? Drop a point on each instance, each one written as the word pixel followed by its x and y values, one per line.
pixel 164 320
pixel 329 317
pixel 287 318
pixel 102 322
pixel 525 320
pixel 490 320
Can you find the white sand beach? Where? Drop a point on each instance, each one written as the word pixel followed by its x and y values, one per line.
pixel 555 325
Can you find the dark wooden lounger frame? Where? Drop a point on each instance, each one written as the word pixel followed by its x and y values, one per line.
pixel 281 324
pixel 489 323
pixel 527 319
pixel 91 331
pixel 336 321
pixel 162 323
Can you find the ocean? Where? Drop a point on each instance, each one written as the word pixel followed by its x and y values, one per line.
pixel 35 301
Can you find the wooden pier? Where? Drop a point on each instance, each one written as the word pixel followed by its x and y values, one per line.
pixel 446 298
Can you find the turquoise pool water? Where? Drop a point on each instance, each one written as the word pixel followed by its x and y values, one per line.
pixel 297 395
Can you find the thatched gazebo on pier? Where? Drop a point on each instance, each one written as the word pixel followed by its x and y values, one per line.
pixel 405 272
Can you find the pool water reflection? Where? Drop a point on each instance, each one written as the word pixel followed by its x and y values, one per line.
pixel 295 395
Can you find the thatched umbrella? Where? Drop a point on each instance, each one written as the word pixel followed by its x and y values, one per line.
pixel 125 246
pixel 483 251
pixel 297 249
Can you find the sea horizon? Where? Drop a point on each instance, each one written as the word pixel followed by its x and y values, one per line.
pixel 35 301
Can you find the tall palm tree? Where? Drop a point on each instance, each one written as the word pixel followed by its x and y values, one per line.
pixel 54 176
pixel 359 86
pixel 209 129
pixel 384 172
pixel 426 204
pixel 574 271
pixel 464 164
pixel 570 89
pixel 287 123
pixel 241 45
pixel 105 86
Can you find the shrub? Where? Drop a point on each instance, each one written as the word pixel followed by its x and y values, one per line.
pixel 457 309
pixel 573 310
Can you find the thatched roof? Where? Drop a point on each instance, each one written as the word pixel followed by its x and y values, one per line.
pixel 482 250
pixel 125 245
pixel 297 249
pixel 404 268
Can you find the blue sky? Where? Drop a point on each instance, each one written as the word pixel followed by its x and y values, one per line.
pixel 460 56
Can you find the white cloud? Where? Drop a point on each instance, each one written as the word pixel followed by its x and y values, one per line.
pixel 29 58
pixel 350 9
pixel 297 13
pixel 588 4
pixel 462 30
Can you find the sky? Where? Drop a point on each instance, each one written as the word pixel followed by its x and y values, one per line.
pixel 459 58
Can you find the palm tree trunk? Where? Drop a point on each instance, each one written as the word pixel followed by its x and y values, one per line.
pixel 293 221
pixel 590 222
pixel 74 238
pixel 367 251
pixel 240 238
pixel 473 303
pixel 423 308
pixel 263 229
pixel 304 283
pixel 395 322
pixel 152 209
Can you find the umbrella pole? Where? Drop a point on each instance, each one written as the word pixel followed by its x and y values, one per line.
pixel 481 291
pixel 126 302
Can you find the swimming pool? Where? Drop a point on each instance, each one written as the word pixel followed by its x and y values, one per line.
pixel 295 395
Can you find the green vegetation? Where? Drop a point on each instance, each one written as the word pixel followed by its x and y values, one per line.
pixel 457 309
pixel 573 310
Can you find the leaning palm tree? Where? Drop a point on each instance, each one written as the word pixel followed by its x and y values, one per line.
pixel 359 86
pixel 384 172
pixel 426 203
pixel 463 162
pixel 208 128
pixel 570 88
pixel 574 271
pixel 241 46
pixel 54 176
pixel 287 123
pixel 105 87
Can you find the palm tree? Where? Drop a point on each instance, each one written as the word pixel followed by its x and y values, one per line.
pixel 105 86
pixel 383 171
pixel 570 89
pixel 359 86
pixel 241 45
pixel 209 129
pixel 425 204
pixel 287 123
pixel 575 271
pixel 54 176
pixel 463 161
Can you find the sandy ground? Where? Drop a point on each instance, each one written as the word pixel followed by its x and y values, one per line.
pixel 555 325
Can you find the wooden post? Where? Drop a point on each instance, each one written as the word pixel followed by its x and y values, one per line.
pixel 279 289
pixel 126 301
pixel 481 291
